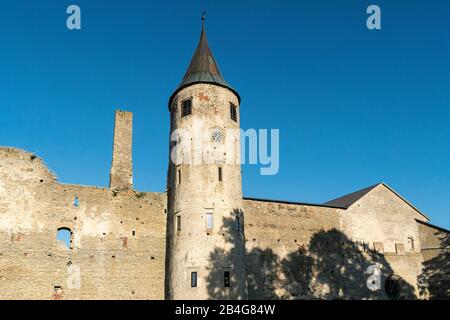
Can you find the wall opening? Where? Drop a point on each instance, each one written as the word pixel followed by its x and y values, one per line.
pixel 193 279
pixel 186 108
pixel 220 174
pixel 76 202
pixel 226 279
pixel 411 243
pixel 392 287
pixel 64 236
pixel 178 223
pixel 209 221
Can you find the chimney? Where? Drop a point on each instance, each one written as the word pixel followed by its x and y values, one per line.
pixel 121 176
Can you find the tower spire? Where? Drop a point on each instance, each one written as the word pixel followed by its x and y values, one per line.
pixel 203 67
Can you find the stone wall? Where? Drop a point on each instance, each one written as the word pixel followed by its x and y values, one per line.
pixel 435 278
pixel 118 238
pixel 386 223
pixel 283 241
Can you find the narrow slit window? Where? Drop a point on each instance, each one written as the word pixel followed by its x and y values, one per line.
pixel 411 243
pixel 178 223
pixel 179 176
pixel 193 279
pixel 226 279
pixel 186 108
pixel 220 174
pixel 76 202
pixel 233 112
pixel 238 223
pixel 209 220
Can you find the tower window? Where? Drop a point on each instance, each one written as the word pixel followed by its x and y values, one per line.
pixel 186 108
pixel 193 279
pixel 76 202
pixel 209 220
pixel 178 223
pixel 238 223
pixel 220 174
pixel 233 112
pixel 179 176
pixel 226 279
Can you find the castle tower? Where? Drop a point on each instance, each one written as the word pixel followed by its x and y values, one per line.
pixel 205 245
pixel 121 176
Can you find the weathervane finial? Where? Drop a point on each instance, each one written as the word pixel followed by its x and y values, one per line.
pixel 203 19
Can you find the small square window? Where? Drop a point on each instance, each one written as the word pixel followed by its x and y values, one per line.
pixel 233 112
pixel 193 279
pixel 186 108
pixel 226 279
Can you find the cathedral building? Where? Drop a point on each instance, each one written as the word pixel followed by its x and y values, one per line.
pixel 202 238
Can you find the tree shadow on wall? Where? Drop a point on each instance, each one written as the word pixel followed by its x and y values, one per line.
pixel 330 267
pixel 227 258
pixel 434 281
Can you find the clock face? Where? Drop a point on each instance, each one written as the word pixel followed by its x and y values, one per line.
pixel 217 135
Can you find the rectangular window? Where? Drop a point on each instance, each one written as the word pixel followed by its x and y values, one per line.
pixel 186 108
pixel 178 223
pixel 238 224
pixel 226 279
pixel 220 174
pixel 233 112
pixel 193 279
pixel 209 220
pixel 179 176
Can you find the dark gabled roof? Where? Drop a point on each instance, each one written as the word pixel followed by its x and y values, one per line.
pixel 349 199
pixel 203 68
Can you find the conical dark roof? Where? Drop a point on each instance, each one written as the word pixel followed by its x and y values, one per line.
pixel 203 68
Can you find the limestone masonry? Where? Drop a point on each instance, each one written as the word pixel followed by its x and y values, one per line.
pixel 202 239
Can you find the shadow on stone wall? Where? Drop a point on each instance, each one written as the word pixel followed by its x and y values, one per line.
pixel 221 258
pixel 330 267
pixel 434 282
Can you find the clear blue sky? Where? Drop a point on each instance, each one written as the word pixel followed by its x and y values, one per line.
pixel 354 107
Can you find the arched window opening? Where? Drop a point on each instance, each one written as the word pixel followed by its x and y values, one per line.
pixel 64 236
pixel 393 287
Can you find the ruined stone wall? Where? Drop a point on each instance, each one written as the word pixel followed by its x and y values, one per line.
pixel 121 175
pixel 118 239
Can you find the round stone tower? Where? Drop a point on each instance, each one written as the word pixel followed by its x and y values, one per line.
pixel 205 238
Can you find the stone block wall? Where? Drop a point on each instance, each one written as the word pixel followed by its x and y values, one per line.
pixel 118 238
